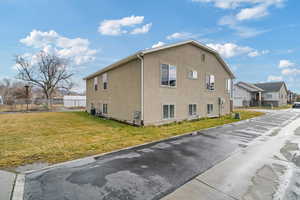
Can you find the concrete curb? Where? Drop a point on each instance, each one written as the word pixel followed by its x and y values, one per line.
pixel 18 191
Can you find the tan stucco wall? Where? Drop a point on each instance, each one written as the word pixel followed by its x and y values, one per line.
pixel 185 58
pixel 123 93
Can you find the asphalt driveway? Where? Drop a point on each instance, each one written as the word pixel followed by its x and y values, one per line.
pixel 151 171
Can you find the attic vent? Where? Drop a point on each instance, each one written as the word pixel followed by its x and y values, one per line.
pixel 203 57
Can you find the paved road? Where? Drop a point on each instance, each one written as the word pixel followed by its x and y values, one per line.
pixel 151 171
pixel 268 169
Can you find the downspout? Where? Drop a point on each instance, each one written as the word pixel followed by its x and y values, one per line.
pixel 142 88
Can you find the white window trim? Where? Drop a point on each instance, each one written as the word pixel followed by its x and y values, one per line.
pixel 228 80
pixel 104 80
pixel 192 77
pixel 162 111
pixel 196 114
pixel 167 86
pixel 209 75
pixel 211 113
pixel 103 108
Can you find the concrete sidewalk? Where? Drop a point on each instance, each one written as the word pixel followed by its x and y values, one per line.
pixel 7 180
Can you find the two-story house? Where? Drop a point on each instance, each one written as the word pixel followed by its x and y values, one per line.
pixel 181 81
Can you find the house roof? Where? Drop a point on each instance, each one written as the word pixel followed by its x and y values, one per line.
pixel 147 51
pixel 249 87
pixel 271 86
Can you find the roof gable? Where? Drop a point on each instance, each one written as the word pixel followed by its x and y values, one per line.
pixel 147 51
pixel 271 86
pixel 249 87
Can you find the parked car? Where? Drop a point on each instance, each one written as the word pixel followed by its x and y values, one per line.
pixel 296 105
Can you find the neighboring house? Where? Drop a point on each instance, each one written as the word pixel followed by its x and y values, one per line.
pixel 74 101
pixel 246 94
pixel 266 94
pixel 182 81
pixel 275 93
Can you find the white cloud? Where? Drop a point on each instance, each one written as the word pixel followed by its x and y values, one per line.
pixel 246 10
pixel 275 78
pixel 181 36
pixel 285 63
pixel 242 31
pixel 144 29
pixel 253 13
pixel 77 49
pixel 258 53
pixel 159 44
pixel 118 26
pixel 290 71
pixel 234 4
pixel 229 50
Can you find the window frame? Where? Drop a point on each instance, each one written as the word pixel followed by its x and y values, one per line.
pixel 210 111
pixel 228 83
pixel 104 108
pixel 169 112
pixel 95 83
pixel 191 75
pixel 105 81
pixel 194 112
pixel 208 82
pixel 169 80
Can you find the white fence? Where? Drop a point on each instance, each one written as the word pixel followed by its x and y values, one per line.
pixel 74 101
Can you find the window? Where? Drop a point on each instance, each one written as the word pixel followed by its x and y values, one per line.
pixel 192 109
pixel 269 96
pixel 210 82
pixel 193 74
pixel 104 108
pixel 203 57
pixel 104 80
pixel 228 85
pixel 168 111
pixel 168 75
pixel 210 108
pixel 96 83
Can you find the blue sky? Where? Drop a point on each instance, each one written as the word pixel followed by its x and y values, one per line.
pixel 258 38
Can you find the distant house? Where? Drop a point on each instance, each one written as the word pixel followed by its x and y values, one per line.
pixel 1 100
pixel 74 101
pixel 270 93
pixel 292 97
pixel 176 82
pixel 246 94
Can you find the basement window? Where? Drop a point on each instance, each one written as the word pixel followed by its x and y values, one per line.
pixel 210 108
pixel 168 111
pixel 104 108
pixel 192 109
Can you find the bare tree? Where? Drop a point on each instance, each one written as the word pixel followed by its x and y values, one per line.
pixel 49 72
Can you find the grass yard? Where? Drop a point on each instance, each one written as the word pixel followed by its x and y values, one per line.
pixel 55 137
pixel 269 107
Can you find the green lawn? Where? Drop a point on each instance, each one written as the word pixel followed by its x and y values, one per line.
pixel 269 107
pixel 60 136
